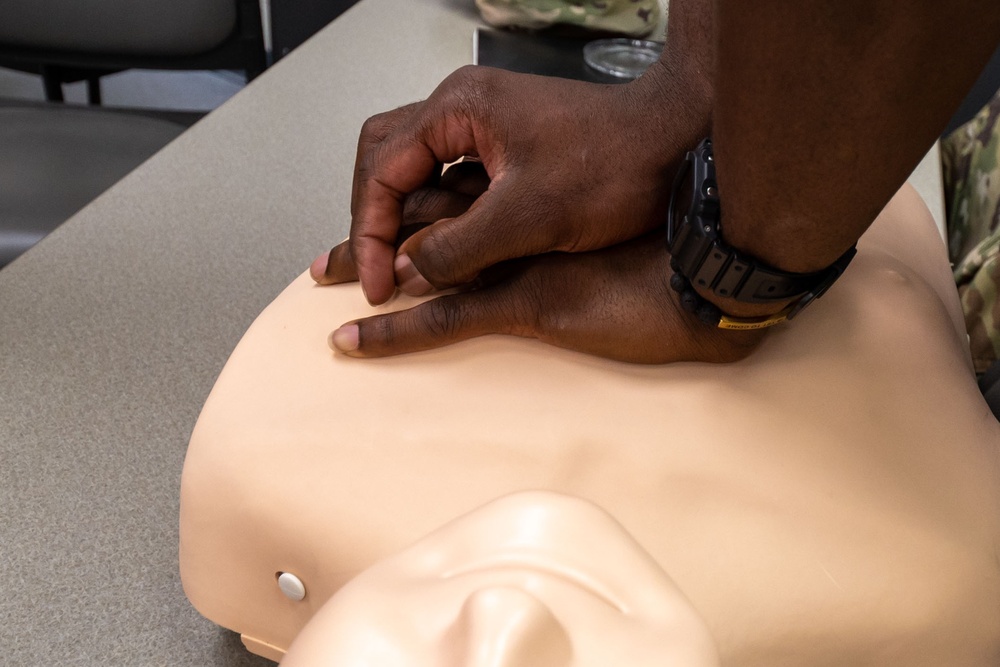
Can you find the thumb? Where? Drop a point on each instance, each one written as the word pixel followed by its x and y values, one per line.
pixel 501 224
pixel 435 323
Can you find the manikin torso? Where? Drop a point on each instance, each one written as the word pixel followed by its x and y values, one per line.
pixel 834 499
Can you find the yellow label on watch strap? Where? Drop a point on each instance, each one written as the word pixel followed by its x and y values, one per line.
pixel 751 323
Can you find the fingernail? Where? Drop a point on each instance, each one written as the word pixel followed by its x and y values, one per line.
pixel 345 339
pixel 408 278
pixel 318 268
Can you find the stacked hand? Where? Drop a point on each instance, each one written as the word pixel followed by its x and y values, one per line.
pixel 552 226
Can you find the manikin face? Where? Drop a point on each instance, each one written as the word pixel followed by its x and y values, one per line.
pixel 531 580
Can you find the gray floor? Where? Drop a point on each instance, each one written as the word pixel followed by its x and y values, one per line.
pixel 188 91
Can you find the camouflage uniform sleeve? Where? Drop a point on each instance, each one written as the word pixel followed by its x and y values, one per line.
pixel 971 167
pixel 628 17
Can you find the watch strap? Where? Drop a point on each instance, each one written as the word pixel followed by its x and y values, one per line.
pixel 700 258
pixel 731 274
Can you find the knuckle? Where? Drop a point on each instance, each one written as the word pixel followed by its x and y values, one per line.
pixel 464 76
pixel 366 166
pixel 472 90
pixel 378 127
pixel 441 254
pixel 378 333
pixel 374 128
pixel 443 319
pixel 516 305
pixel 372 169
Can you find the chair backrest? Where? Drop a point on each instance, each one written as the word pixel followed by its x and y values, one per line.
pixel 123 34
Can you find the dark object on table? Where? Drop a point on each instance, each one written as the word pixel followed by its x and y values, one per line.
pixel 537 53
pixel 295 21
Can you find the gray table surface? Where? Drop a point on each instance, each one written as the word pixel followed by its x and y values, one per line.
pixel 113 330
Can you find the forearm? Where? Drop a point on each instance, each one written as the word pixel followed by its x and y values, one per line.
pixel 823 109
pixel 675 96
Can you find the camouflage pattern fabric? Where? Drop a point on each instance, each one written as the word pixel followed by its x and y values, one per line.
pixel 628 17
pixel 971 164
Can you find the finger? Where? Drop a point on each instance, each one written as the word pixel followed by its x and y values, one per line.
pixel 335 266
pixel 428 205
pixel 421 208
pixel 436 131
pixel 468 177
pixel 458 188
pixel 381 243
pixel 384 179
pixel 409 229
pixel 504 223
pixel 373 132
pixel 435 323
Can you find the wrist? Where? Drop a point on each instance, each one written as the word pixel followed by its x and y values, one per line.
pixel 675 97
pixel 722 285
pixel 788 226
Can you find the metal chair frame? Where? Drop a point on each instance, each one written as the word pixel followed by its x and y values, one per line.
pixel 243 49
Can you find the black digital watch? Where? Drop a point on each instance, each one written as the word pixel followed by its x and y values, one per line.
pixel 699 256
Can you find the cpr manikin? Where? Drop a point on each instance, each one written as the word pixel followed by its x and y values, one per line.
pixel 831 500
pixel 531 580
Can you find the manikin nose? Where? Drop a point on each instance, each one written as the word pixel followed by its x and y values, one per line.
pixel 507 627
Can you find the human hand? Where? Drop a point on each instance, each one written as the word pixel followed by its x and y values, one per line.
pixel 614 303
pixel 572 166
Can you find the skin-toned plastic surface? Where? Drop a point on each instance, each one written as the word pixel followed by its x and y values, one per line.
pixel 532 580
pixel 830 500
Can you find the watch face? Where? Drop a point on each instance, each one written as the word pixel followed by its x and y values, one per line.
pixel 704 190
pixel 694 210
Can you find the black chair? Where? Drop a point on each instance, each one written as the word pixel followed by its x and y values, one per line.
pixel 56 158
pixel 74 40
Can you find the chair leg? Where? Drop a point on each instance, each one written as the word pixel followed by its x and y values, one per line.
pixel 53 84
pixel 94 91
